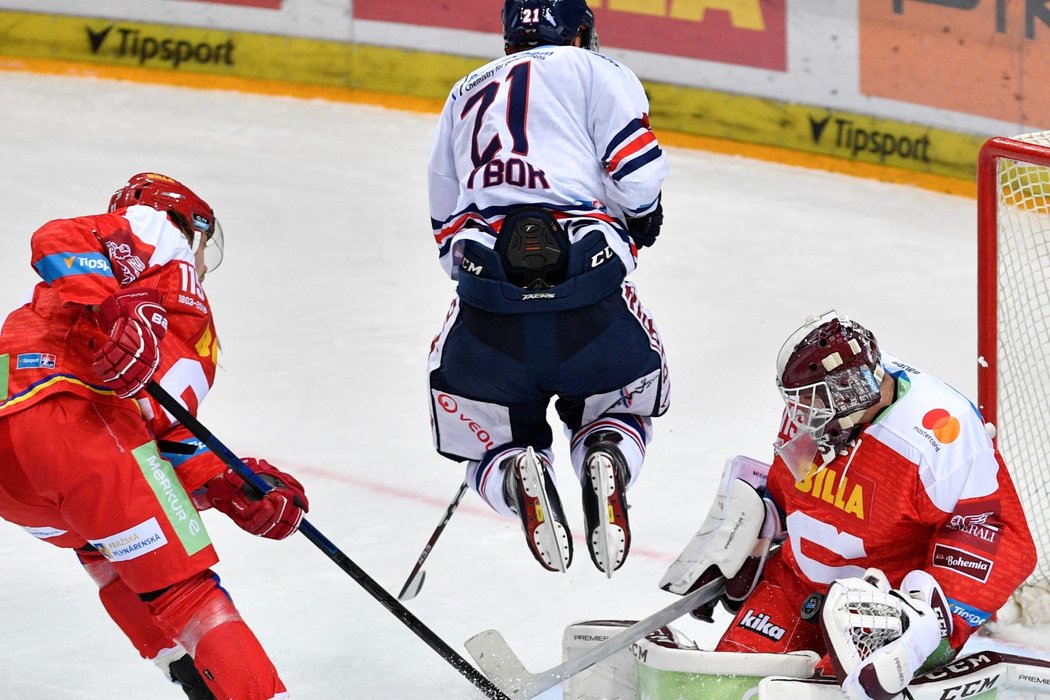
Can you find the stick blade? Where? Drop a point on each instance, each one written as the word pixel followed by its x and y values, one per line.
pixel 411 588
pixel 498 661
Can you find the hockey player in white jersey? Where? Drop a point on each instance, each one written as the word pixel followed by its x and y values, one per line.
pixel 544 181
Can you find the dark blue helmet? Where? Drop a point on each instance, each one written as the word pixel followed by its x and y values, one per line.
pixel 528 23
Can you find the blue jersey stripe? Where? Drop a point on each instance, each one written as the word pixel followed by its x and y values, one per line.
pixel 635 163
pixel 622 136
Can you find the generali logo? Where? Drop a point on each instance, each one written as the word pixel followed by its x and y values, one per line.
pixel 976 526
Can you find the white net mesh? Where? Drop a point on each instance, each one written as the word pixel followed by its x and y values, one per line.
pixel 1023 348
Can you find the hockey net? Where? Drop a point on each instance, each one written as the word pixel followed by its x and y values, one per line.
pixel 1013 328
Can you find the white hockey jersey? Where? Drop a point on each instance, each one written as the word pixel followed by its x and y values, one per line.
pixel 556 126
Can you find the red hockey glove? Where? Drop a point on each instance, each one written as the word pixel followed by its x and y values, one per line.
pixel 134 322
pixel 275 515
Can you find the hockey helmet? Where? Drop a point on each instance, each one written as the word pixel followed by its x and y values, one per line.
pixel 528 23
pixel 828 372
pixel 187 211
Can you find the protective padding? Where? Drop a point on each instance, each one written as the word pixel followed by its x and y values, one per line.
pixel 200 616
pixel 725 539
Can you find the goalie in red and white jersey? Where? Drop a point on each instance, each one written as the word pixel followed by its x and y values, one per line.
pixel 886 498
pixel 89 462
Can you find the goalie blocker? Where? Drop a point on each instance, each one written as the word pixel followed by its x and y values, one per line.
pixel 734 541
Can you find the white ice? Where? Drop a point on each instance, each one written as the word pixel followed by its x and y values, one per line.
pixel 326 305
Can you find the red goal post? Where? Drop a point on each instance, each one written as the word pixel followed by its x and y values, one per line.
pixel 1013 331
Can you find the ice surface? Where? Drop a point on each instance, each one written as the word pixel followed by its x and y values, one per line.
pixel 326 304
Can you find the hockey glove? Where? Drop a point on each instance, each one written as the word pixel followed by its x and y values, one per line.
pixel 733 542
pixel 134 322
pixel 645 229
pixel 877 639
pixel 274 515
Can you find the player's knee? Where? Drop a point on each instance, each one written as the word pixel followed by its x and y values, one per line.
pixel 191 608
pixel 96 566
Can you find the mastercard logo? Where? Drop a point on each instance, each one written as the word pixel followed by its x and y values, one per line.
pixel 942 424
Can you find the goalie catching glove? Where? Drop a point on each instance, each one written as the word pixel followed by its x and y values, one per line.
pixel 274 515
pixel 134 322
pixel 734 541
pixel 879 639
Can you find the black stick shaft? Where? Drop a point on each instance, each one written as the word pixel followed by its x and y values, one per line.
pixel 344 562
pixel 433 539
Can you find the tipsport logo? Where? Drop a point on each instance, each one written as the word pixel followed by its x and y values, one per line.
pixel 854 139
pixel 126 42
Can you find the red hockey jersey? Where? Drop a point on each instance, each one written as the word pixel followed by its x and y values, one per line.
pixel 921 488
pixel 46 345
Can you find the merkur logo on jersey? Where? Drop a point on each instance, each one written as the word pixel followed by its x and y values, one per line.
pixel 762 625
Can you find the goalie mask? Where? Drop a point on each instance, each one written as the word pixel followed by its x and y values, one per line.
pixel 828 373
pixel 529 23
pixel 189 212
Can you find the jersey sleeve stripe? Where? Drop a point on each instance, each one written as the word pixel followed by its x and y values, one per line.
pixel 644 208
pixel 636 163
pixel 623 135
pixel 37 388
pixel 630 149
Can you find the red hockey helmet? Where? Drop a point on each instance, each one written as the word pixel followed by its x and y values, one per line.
pixel 188 211
pixel 828 373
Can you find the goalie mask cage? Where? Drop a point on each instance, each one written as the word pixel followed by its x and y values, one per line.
pixel 1013 331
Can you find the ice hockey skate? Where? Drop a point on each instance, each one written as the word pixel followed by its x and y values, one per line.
pixel 531 494
pixel 604 501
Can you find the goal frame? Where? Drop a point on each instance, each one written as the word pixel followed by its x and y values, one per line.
pixel 1032 599
pixel 987 263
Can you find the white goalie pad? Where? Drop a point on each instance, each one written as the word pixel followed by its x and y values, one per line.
pixel 667 665
pixel 984 674
pixel 731 530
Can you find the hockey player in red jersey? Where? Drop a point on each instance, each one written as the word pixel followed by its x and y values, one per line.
pixel 544 181
pixel 886 498
pixel 89 462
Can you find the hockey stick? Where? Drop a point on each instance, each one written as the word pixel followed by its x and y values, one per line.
pixel 415 579
pixel 972 675
pixel 311 533
pixel 499 662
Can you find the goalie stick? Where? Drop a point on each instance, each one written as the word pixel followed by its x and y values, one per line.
pixel 499 662
pixel 179 412
pixel 973 675
pixel 415 578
